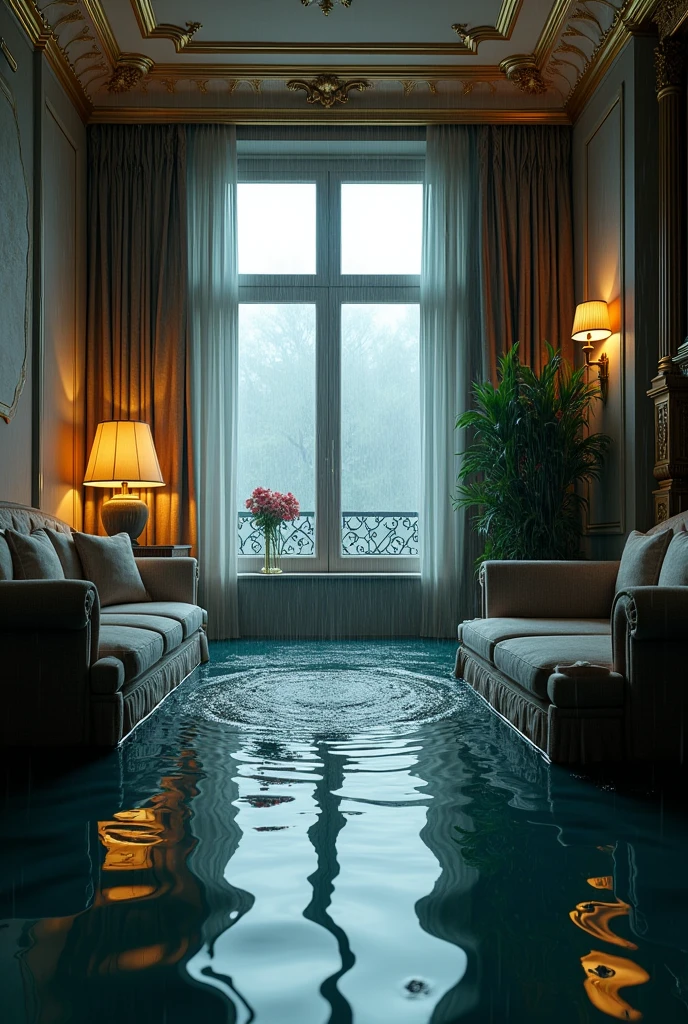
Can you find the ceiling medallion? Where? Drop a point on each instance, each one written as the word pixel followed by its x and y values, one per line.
pixel 326 5
pixel 523 71
pixel 327 89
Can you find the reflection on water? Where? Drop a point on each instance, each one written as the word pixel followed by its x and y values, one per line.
pixel 333 833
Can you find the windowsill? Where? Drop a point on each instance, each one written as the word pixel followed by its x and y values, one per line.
pixel 329 575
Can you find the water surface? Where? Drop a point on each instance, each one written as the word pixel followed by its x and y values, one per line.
pixel 335 833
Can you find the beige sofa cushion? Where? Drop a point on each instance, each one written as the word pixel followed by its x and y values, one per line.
pixel 138 649
pixel 674 571
pixel 33 556
pixel 642 559
pixel 481 635
pixel 530 661
pixel 109 563
pixel 189 615
pixel 169 629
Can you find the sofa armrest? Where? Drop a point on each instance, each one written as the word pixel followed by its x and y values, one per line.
pixel 548 590
pixel 31 605
pixel 652 613
pixel 170 579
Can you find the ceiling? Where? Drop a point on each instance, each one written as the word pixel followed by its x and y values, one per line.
pixel 334 61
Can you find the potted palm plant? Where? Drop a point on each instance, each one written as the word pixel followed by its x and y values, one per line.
pixel 530 450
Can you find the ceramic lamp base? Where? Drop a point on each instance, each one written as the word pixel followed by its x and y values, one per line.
pixel 125 513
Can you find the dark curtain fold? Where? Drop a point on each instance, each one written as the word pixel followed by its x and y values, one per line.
pixel 527 240
pixel 137 359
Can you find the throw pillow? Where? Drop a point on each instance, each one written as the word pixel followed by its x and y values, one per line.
pixel 33 556
pixel 6 572
pixel 642 559
pixel 66 551
pixel 108 562
pixel 675 565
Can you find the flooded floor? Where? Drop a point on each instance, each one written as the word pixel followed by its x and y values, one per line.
pixel 335 833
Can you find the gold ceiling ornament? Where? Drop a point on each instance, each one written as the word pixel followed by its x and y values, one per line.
pixel 326 5
pixel 670 63
pixel 669 16
pixel 170 84
pixel 523 71
pixel 328 89
pixel 128 72
pixel 408 86
pixel 432 86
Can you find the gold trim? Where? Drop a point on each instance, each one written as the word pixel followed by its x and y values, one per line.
pixel 471 38
pixel 8 54
pixel 381 72
pixel 327 90
pixel 150 28
pixel 522 70
pixel 130 69
pixel 670 16
pixel 348 115
pixel 106 36
pixel 550 32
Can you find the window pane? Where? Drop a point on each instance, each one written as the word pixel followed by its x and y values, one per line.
pixel 382 228
pixel 380 429
pixel 276 227
pixel 276 442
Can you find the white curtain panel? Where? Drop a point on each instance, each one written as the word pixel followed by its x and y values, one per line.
pixel 451 357
pixel 213 323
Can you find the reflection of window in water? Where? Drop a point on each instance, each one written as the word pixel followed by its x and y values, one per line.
pixel 606 973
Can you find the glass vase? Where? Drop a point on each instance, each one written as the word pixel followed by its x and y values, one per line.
pixel 271 565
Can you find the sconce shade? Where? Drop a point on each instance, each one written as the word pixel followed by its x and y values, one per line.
pixel 123 452
pixel 591 322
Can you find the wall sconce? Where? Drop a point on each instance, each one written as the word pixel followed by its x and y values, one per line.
pixel 123 454
pixel 591 323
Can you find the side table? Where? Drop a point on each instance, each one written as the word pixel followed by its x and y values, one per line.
pixel 161 550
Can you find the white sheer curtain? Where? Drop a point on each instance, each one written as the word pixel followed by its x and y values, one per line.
pixel 451 358
pixel 213 326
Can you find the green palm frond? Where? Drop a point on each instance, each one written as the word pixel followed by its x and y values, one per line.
pixel 530 449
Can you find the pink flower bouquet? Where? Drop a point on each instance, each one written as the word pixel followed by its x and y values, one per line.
pixel 269 510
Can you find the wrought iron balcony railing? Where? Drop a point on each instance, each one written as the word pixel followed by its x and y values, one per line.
pixel 365 534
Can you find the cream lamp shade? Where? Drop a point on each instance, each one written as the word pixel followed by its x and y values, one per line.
pixel 123 453
pixel 591 322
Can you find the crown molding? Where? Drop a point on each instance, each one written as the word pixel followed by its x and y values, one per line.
pixel 184 38
pixel 633 16
pixel 341 115
pixel 550 32
pixel 43 38
pixel 380 72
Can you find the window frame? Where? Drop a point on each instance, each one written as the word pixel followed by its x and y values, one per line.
pixel 328 289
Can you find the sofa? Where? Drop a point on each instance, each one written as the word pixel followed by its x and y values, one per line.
pixel 78 673
pixel 538 616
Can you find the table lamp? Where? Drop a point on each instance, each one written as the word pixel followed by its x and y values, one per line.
pixel 123 455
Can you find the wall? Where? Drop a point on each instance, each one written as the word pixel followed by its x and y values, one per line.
pixel 615 149
pixel 16 436
pixel 41 459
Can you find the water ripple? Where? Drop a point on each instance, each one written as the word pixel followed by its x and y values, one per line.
pixel 325 702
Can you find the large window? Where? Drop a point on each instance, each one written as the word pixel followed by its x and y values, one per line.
pixel 329 398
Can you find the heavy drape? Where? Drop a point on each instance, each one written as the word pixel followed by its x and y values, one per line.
pixel 137 357
pixel 213 327
pixel 452 355
pixel 497 268
pixel 527 240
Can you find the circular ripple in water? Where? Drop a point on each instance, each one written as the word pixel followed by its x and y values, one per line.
pixel 324 702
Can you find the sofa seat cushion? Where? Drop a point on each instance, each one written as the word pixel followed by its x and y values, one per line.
pixel 189 615
pixel 169 629
pixel 530 661
pixel 138 649
pixel 482 635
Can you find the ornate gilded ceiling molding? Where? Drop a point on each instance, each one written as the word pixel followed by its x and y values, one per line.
pixel 326 5
pixel 130 69
pixel 522 70
pixel 328 89
pixel 503 30
pixel 670 64
pixel 150 29
pixel 316 114
pixel 670 16
pixel 550 31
